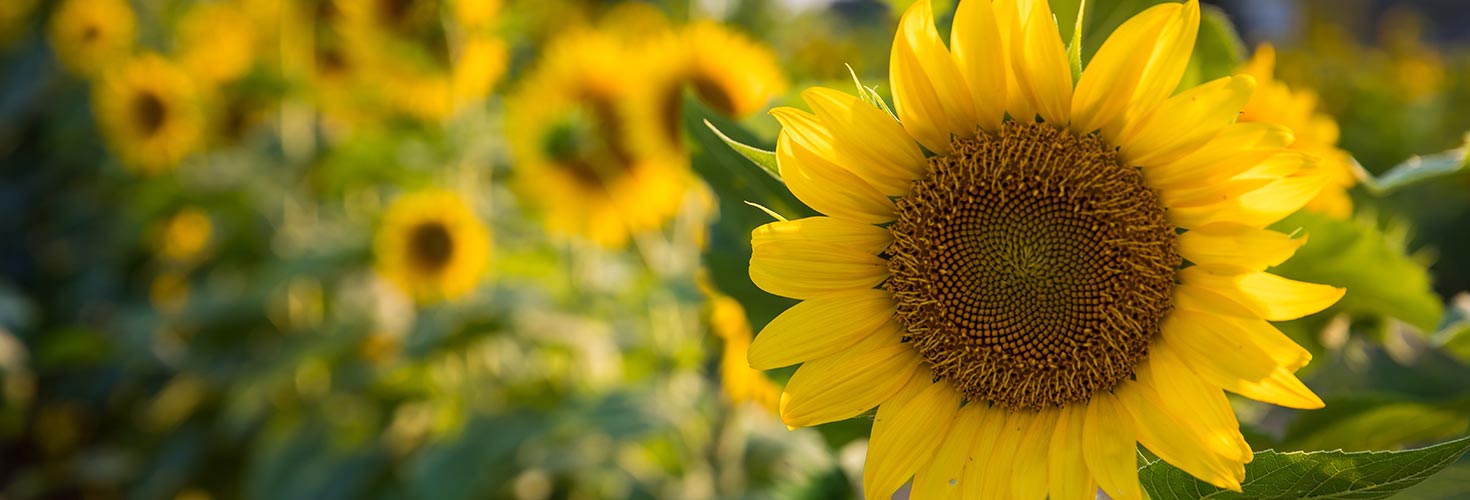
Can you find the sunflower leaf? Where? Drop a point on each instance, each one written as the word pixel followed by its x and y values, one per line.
pixel 1313 475
pixel 766 160
pixel 1074 48
pixel 1417 169
pixel 1381 276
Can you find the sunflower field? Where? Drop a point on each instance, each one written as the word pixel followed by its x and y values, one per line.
pixel 788 249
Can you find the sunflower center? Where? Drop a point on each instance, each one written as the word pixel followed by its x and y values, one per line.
pixel 1032 268
pixel 712 93
pixel 590 142
pixel 430 246
pixel 150 112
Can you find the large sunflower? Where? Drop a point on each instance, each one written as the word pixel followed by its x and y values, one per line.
pixel 432 246
pixel 148 109
pixel 570 128
pixel 1076 268
pixel 1316 133
pixel 89 35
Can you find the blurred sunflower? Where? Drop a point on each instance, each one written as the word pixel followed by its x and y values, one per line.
pixel 88 35
pixel 570 134
pixel 432 246
pixel 730 72
pixel 741 383
pixel 185 236
pixel 15 16
pixel 148 109
pixel 1021 297
pixel 1316 133
pixel 216 43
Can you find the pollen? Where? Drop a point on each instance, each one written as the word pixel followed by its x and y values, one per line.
pixel 1031 268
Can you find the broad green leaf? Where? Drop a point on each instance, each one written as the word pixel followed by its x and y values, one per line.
pixel 766 160
pixel 1314 475
pixel 1417 169
pixel 1449 484
pixel 1381 277
pixel 1382 421
pixel 1218 51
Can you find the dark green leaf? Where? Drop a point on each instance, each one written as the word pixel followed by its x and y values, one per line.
pixel 1381 277
pixel 1314 475
pixel 1376 422
pixel 766 160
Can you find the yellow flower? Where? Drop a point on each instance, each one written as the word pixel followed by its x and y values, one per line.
pixel 185 236
pixel 89 35
pixel 216 41
pixel 15 15
pixel 570 131
pixel 1316 133
pixel 432 246
pixel 731 73
pixel 1018 305
pixel 741 382
pixel 149 111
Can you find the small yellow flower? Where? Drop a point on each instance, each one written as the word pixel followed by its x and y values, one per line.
pixel 1316 133
pixel 1073 267
pixel 741 382
pixel 148 109
pixel 730 72
pixel 89 35
pixel 432 246
pixel 186 235
pixel 216 41
pixel 571 135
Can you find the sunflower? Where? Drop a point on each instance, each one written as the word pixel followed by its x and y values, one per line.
pixel 215 42
pixel 570 133
pixel 185 236
pixel 1071 270
pixel 88 35
pixel 731 73
pixel 1316 133
pixel 432 246
pixel 742 384
pixel 149 111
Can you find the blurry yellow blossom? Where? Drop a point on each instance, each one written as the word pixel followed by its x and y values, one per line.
pixel 741 382
pixel 432 246
pixel 569 130
pixel 88 35
pixel 185 236
pixel 730 72
pixel 169 292
pixel 216 42
pixel 1419 70
pixel 148 109
pixel 15 15
pixel 1316 133
pixel 476 14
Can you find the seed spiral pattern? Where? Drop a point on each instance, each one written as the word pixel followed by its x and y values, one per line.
pixel 1032 268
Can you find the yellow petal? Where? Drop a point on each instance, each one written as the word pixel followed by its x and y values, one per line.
pixel 973 483
pixel 1067 475
pixel 1110 80
pixel 1277 387
pixel 827 188
pixel 1267 295
pixel 1043 76
pixel 820 327
pixel 1008 17
pixel 867 141
pixel 976 45
pixel 1236 149
pixel 1000 457
pixel 845 385
pixel 1029 480
pixel 942 477
pixel 1268 338
pixel 1258 208
pixel 854 235
pixel 803 268
pixel 906 436
pixel 1236 248
pixel 1189 398
pixel 1179 444
pixel 1185 122
pixel 932 99
pixel 1171 54
pixel 1108 447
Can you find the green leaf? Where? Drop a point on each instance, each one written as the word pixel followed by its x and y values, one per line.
pixel 1218 51
pixel 1314 475
pixel 1376 421
pixel 1381 277
pixel 1417 169
pixel 766 160
pixel 1453 335
pixel 1074 48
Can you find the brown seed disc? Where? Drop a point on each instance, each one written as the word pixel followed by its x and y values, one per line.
pixel 1031 269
